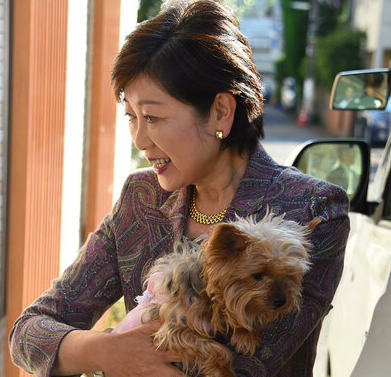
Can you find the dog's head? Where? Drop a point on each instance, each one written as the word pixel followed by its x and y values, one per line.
pixel 253 271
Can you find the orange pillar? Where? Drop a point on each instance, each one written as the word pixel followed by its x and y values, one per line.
pixel 36 152
pixel 102 114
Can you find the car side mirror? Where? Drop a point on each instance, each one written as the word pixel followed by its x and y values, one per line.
pixel 366 89
pixel 344 162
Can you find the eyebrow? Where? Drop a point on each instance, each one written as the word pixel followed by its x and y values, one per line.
pixel 149 102
pixel 146 102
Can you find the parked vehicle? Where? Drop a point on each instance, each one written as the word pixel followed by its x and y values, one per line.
pixel 358 335
pixel 374 125
pixel 288 94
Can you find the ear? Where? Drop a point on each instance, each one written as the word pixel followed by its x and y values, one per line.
pixel 311 225
pixel 229 239
pixel 223 112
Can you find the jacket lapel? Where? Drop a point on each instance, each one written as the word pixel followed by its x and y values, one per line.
pixel 250 196
pixel 166 226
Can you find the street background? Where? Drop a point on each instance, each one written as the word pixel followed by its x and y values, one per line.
pixel 283 135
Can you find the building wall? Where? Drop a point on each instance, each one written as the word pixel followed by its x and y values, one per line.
pixel 366 16
pixel 262 25
pixel 384 35
pixel 264 37
pixel 374 17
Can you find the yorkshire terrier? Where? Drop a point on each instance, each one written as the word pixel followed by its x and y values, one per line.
pixel 244 275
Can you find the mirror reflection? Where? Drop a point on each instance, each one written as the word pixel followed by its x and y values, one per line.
pixel 360 91
pixel 338 163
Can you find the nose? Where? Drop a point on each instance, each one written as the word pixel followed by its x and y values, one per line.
pixel 139 134
pixel 279 301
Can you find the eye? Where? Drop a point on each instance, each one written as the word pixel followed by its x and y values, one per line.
pixel 130 117
pixel 259 276
pixel 150 119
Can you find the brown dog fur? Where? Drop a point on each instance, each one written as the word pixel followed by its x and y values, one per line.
pixel 243 276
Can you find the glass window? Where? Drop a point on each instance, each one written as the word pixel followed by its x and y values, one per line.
pixel 338 163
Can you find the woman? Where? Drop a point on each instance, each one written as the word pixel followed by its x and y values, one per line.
pixel 194 102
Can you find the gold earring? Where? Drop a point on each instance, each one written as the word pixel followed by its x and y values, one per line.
pixel 219 135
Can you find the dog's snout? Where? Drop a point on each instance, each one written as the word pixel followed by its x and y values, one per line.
pixel 279 301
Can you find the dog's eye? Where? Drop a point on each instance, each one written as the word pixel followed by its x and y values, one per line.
pixel 259 276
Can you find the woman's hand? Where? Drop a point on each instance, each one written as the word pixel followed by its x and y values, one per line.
pixel 132 353
pixel 126 354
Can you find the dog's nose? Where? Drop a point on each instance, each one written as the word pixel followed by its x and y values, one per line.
pixel 279 301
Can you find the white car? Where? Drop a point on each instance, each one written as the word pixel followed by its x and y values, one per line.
pixel 357 332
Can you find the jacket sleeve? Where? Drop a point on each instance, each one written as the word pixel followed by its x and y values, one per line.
pixel 76 300
pixel 288 345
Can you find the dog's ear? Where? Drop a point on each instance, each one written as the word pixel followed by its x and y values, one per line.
pixel 230 239
pixel 311 225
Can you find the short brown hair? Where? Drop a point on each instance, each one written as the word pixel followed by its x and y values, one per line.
pixel 195 50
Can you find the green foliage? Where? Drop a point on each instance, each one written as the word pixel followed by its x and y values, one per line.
pixel 338 51
pixel 258 8
pixel 279 74
pixel 279 67
pixel 138 159
pixel 295 38
pixel 239 7
pixel 341 49
pixel 148 9
pixel 346 12
pixel 116 313
pixel 331 16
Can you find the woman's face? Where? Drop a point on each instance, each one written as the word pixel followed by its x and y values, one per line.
pixel 180 146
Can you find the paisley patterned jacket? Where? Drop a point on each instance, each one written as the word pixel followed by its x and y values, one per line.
pixel 147 221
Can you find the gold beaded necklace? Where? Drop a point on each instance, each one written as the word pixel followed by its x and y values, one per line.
pixel 201 218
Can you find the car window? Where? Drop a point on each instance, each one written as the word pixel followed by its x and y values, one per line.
pixel 338 163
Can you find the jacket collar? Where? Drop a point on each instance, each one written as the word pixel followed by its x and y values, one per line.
pixel 250 195
pixel 248 199
pixel 175 209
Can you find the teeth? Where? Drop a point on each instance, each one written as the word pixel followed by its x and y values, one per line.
pixel 160 162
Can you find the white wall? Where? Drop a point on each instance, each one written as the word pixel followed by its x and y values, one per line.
pixel 374 17
pixel 384 34
pixel 74 124
pixel 366 17
pixel 74 130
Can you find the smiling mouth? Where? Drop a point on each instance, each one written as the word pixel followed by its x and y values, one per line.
pixel 159 163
